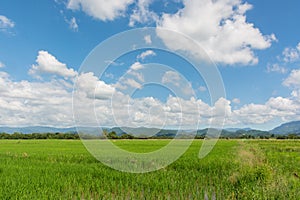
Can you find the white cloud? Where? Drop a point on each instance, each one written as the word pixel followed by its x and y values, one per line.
pixel 276 68
pixel 252 114
pixel 293 80
pixel 281 104
pixel 236 101
pixel 73 24
pixel 171 77
pixel 132 83
pixel 6 23
pixel 148 39
pixel 93 87
pixel 296 95
pixel 291 54
pixel 48 64
pixel 25 103
pixel 278 108
pixel 178 84
pixel 220 27
pixel 137 75
pixel 202 89
pixel 145 54
pixel 101 9
pixel 136 66
pixel 113 63
pixel 142 14
pixel 2 65
pixel 109 75
pixel 222 108
pixel 132 78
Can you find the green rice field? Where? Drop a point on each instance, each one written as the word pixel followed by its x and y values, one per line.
pixel 235 169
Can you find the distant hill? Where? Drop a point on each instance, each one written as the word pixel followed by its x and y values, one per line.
pixel 237 129
pixel 36 129
pixel 284 129
pixel 287 128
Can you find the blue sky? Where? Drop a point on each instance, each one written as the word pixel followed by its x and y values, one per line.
pixel 254 44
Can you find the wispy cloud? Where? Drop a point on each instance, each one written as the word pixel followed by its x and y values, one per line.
pixel 291 55
pixel 276 68
pixel 146 54
pixel 6 23
pixel 73 24
pixel 2 64
pixel 148 39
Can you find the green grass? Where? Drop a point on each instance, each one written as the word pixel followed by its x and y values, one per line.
pixel 235 169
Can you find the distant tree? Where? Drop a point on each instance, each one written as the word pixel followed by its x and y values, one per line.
pixel 281 137
pixel 126 136
pixel 292 136
pixel 112 135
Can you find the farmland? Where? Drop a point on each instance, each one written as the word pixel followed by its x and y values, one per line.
pixel 235 169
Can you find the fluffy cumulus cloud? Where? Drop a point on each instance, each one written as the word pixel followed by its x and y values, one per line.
pixel 25 103
pixel 276 108
pixel 285 109
pixel 101 9
pixel 48 64
pixel 293 80
pixel 142 14
pixel 220 27
pixel 6 23
pixel 252 114
pixel 49 102
pixel 136 66
pixel 93 87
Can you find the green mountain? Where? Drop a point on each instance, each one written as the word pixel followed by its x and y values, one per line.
pixel 284 129
pixel 287 128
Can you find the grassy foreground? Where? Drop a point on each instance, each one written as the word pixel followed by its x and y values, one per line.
pixel 235 169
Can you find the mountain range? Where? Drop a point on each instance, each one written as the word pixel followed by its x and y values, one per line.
pixel 283 129
pixel 287 128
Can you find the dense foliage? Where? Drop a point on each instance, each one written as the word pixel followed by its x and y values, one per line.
pixel 252 134
pixel 39 136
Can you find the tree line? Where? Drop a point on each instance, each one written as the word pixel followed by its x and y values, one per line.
pixel 18 135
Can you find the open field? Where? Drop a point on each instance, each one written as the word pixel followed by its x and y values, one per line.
pixel 235 169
